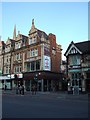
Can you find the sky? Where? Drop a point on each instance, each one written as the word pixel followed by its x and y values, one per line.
pixel 67 20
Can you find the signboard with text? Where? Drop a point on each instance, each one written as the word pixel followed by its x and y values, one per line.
pixel 18 75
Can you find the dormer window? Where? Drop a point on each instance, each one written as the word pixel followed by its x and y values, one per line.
pixel 18 45
pixel 23 41
pixel 7 48
pixel 32 40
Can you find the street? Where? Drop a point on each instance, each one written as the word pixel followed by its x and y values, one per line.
pixel 43 106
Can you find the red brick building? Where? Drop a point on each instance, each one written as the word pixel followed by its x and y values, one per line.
pixel 36 59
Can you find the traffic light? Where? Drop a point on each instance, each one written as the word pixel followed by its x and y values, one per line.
pixel 36 77
pixel 15 76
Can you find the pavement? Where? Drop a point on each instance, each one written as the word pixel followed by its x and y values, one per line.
pixel 59 95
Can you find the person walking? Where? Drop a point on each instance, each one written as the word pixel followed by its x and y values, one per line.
pixel 22 89
pixel 34 90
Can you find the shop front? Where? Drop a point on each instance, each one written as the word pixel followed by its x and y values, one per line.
pixel 88 81
pixel 44 80
pixel 5 82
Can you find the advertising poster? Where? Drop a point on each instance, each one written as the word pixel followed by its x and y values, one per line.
pixel 47 63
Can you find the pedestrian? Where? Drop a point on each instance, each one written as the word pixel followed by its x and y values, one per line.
pixel 22 89
pixel 33 89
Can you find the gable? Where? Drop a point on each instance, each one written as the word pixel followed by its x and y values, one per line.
pixel 33 30
pixel 8 42
pixel 73 50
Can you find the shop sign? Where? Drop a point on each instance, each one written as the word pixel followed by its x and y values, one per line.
pixel 18 75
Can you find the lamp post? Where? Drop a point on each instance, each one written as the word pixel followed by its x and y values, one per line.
pixel 10 66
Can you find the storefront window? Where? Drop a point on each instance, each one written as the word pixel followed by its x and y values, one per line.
pixel 38 65
pixel 20 68
pixel 76 79
pixel 6 69
pixel 28 67
pixel 32 65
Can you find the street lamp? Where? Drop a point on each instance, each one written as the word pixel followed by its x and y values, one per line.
pixel 35 77
pixel 11 65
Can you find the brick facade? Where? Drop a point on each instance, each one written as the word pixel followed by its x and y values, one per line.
pixel 35 52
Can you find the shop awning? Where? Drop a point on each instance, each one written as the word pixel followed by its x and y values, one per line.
pixel 4 78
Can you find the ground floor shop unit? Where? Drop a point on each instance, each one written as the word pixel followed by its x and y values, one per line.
pixel 5 82
pixel 88 81
pixel 79 79
pixel 9 82
pixel 44 80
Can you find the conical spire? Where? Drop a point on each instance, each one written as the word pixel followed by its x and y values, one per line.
pixel 14 33
pixel 32 21
pixel 33 29
pixel 33 26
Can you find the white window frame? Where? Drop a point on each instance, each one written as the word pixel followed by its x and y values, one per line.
pixel 36 52
pixel 30 41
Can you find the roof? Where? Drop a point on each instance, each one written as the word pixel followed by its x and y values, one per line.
pixel 82 46
pixel 40 33
pixel 23 35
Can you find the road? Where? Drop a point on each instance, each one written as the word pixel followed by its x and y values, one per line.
pixel 43 106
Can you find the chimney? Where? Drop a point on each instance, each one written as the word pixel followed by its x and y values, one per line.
pixel 14 33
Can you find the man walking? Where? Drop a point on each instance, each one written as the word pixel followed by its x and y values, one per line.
pixel 22 89
pixel 34 89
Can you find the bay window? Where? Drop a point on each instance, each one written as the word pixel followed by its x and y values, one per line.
pixel 75 60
